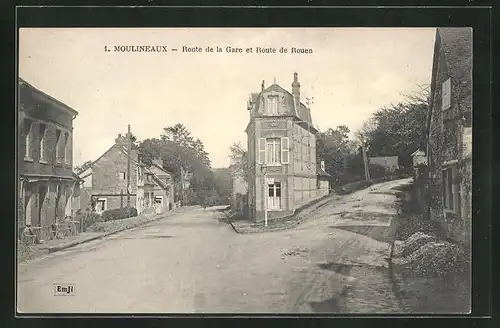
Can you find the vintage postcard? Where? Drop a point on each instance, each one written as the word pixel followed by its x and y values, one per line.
pixel 241 170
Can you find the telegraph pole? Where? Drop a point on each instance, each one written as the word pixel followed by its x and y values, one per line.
pixel 365 159
pixel 129 150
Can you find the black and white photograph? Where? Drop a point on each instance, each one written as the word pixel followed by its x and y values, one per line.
pixel 244 170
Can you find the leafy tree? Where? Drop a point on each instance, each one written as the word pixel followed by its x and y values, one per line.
pixel 399 129
pixel 180 152
pixel 223 184
pixel 239 159
pixel 334 147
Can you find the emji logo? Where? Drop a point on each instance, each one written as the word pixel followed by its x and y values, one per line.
pixel 64 289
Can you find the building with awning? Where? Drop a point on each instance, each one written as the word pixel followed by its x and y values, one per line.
pixel 45 150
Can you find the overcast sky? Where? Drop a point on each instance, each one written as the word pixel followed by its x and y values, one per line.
pixel 350 74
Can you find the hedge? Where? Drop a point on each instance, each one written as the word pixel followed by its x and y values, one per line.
pixel 119 213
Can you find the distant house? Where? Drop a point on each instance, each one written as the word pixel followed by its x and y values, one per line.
pixel 390 163
pixel 449 128
pixel 45 152
pixel 163 190
pixel 104 184
pixel 419 158
pixel 323 179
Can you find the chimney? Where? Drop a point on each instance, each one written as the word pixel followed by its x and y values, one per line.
pixel 262 86
pixel 323 165
pixel 296 89
pixel 158 161
pixel 119 140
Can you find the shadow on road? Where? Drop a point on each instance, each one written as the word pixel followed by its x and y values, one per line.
pixel 150 237
pixel 379 233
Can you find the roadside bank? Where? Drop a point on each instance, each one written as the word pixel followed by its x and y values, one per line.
pixel 429 273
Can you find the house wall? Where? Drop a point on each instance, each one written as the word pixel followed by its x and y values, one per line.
pixel 46 208
pixel 106 181
pixel 47 116
pixel 444 146
pixel 50 172
pixel 297 178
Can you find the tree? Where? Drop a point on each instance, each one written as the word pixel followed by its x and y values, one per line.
pixel 399 129
pixel 223 184
pixel 180 152
pixel 334 147
pixel 239 159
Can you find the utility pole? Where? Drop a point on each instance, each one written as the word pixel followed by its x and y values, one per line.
pixel 365 159
pixel 129 150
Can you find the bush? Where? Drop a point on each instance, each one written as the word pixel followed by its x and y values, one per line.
pixel 119 213
pixel 378 171
pixel 90 218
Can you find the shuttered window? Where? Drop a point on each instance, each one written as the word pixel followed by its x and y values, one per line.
pixel 273 151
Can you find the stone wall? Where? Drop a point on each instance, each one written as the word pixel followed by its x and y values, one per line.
pixel 106 178
pixel 444 147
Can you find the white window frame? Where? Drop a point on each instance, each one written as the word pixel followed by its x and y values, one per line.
pixel 274 202
pixel 273 102
pixel 450 191
pixel 446 94
pixel 43 158
pixel 27 140
pixel 275 145
pixel 104 201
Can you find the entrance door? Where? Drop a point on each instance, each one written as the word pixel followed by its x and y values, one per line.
pixel 274 196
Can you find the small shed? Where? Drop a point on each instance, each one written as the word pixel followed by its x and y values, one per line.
pixel 419 158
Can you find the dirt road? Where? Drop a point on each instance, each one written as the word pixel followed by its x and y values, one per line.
pixel 333 262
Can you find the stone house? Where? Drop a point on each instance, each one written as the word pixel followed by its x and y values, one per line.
pixel 449 128
pixel 45 153
pixel 282 141
pixel 105 182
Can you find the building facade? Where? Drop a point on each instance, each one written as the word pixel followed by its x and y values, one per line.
pixel 282 170
pixel 45 153
pixel 449 148
pixel 105 182
pixel 163 189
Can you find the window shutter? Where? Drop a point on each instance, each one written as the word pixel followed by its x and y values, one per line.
pixel 455 191
pixel 446 94
pixel 262 150
pixel 285 150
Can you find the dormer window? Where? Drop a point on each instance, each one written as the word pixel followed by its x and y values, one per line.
pixel 273 105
